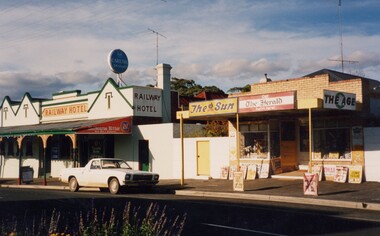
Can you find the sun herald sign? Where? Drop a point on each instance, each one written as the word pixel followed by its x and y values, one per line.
pixel 339 100
pixel 267 102
pixel 213 107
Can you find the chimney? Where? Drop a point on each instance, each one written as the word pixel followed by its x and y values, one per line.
pixel 163 82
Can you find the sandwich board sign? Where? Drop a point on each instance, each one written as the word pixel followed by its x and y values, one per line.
pixel 310 184
pixel 238 182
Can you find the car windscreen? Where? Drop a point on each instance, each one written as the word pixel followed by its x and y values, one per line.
pixel 115 164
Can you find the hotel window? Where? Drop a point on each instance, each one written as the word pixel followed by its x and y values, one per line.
pixel 28 146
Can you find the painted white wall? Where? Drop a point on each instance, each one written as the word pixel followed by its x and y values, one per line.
pixel 58 165
pixel 9 168
pixel 32 162
pixel 118 105
pixel 219 156
pixel 165 151
pixel 160 137
pixel 372 153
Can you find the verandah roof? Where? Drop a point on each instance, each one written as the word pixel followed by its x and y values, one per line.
pixel 69 127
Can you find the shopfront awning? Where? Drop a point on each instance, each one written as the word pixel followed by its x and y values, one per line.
pixel 97 126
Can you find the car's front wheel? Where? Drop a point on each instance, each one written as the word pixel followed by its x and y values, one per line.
pixel 114 186
pixel 73 184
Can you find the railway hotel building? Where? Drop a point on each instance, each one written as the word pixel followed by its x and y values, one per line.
pixel 71 128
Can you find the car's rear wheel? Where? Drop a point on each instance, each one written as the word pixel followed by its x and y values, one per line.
pixel 73 184
pixel 114 186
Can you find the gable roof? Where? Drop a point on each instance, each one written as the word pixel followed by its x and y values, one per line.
pixel 334 76
pixel 113 83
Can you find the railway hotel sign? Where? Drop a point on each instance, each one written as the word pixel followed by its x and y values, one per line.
pixel 339 100
pixel 74 109
pixel 147 102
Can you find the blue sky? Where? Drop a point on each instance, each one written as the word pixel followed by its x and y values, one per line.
pixel 49 46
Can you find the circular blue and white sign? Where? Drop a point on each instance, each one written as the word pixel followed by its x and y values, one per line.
pixel 118 61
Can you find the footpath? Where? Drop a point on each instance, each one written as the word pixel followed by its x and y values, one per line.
pixel 365 196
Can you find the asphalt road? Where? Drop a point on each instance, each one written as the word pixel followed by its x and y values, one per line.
pixel 204 216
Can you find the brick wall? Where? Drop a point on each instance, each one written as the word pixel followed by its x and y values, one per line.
pixel 309 87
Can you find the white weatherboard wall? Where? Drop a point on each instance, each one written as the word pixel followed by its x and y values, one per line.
pixel 372 154
pixel 219 150
pixel 160 138
pixel 165 151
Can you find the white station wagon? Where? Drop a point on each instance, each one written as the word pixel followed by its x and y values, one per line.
pixel 107 174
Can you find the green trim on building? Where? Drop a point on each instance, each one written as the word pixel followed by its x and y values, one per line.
pixel 113 83
pixel 64 103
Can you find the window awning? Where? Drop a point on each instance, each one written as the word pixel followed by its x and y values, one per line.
pixel 97 126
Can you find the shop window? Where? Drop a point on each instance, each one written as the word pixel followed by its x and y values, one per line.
pixel 2 148
pixel 288 131
pixel 274 144
pixel 60 147
pixel 274 138
pixel 255 144
pixel 96 148
pixel 28 146
pixel 304 138
pixel 10 143
pixel 109 146
pixel 332 143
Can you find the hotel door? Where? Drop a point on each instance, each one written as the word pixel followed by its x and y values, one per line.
pixel 288 146
pixel 203 158
pixel 144 155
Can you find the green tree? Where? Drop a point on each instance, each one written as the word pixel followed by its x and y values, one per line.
pixel 216 128
pixel 186 87
pixel 246 88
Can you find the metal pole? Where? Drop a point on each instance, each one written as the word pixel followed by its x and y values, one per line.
pixel 237 141
pixel 182 153
pixel 310 141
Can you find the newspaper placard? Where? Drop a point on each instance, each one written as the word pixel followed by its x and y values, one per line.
pixel 317 169
pixel 329 171
pixel 355 174
pixel 243 168
pixel 341 174
pixel 238 183
pixel 224 172
pixel 310 184
pixel 251 171
pixel 276 166
pixel 231 172
pixel 263 170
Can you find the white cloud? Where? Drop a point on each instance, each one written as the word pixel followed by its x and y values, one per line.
pixel 222 43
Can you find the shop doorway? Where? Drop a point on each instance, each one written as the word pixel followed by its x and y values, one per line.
pixel 288 146
pixel 203 158
pixel 144 155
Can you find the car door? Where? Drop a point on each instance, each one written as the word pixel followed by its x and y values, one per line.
pixel 92 176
